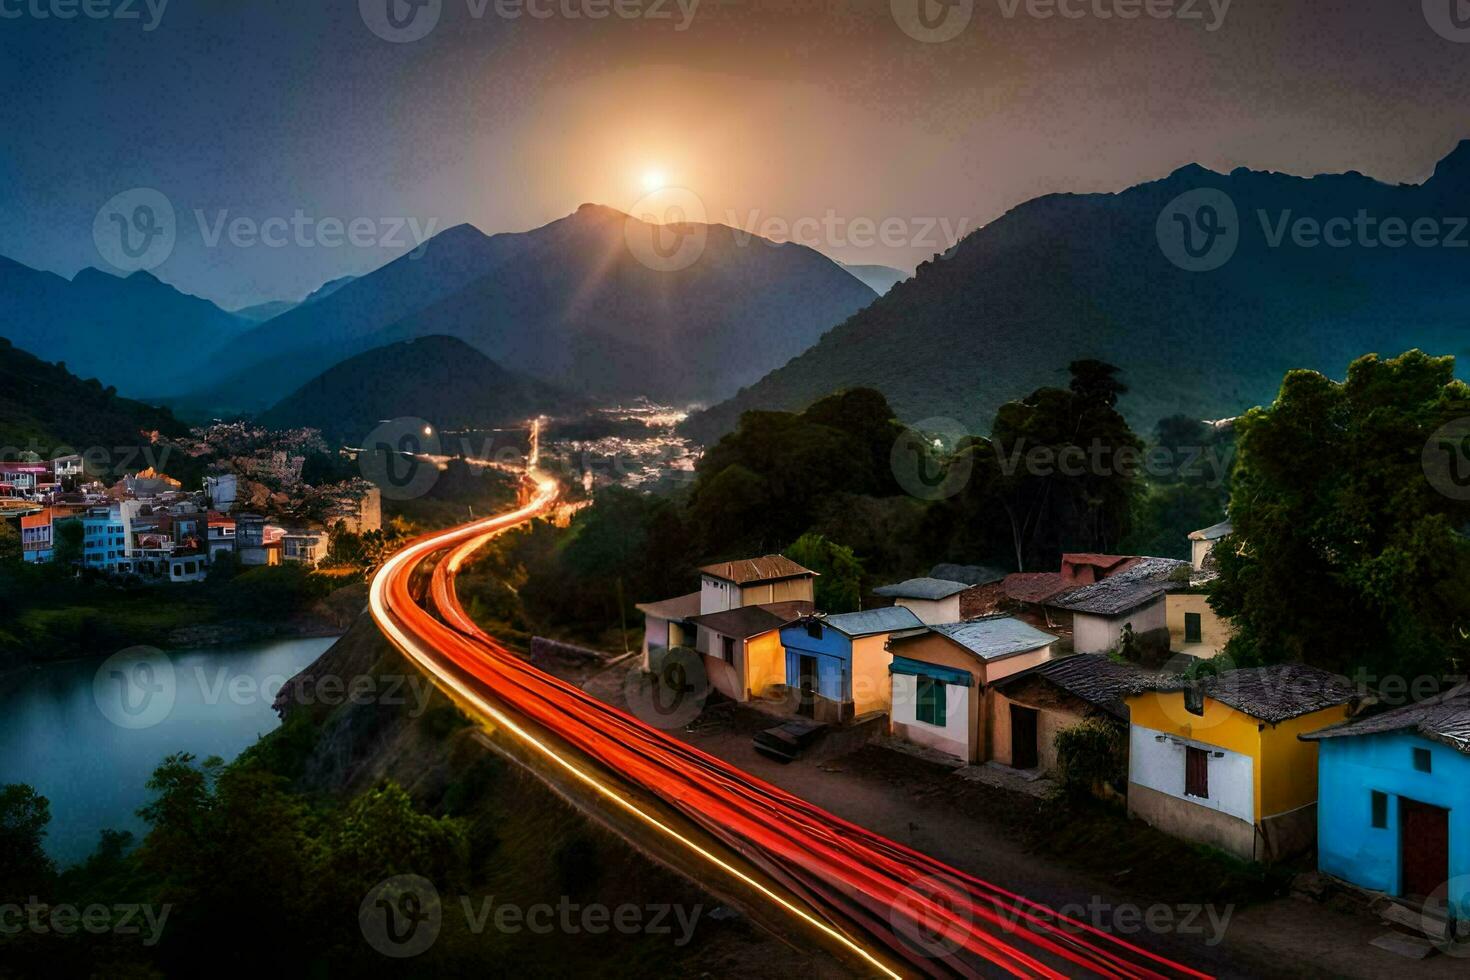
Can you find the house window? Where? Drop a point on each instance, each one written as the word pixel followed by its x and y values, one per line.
pixel 931 701
pixel 729 647
pixel 1423 762
pixel 1192 629
pixel 814 630
pixel 1196 773
pixel 1380 810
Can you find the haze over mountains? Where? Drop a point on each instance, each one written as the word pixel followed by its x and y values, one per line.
pixel 1068 276
pixel 569 302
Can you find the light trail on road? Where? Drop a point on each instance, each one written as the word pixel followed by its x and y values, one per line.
pixel 891 909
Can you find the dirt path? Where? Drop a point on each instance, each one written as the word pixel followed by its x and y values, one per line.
pixel 972 827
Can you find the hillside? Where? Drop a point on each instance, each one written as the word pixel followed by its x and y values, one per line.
pixel 45 408
pixel 440 379
pixel 138 334
pixel 568 302
pixel 1069 276
pixel 879 278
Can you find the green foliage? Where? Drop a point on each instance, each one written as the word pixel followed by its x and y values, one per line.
pixel 1092 754
pixel 270 591
pixel 1344 554
pixel 25 869
pixel 840 574
pixel 69 537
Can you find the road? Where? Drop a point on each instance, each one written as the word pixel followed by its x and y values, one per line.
pixel 881 907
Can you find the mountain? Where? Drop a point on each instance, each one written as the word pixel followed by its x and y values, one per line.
pixel 879 278
pixel 570 302
pixel 47 409
pixel 261 312
pixel 440 379
pixel 1069 276
pixel 136 333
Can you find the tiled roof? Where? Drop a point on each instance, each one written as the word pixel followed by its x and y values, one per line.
pixel 1091 677
pixel 1443 718
pixel 1273 694
pixel 994 636
pixel 748 621
pixel 873 621
pixel 1033 586
pixel 748 570
pixel 968 574
pixel 1091 558
pixel 1125 590
pixel 680 607
pixel 921 588
pixel 1212 533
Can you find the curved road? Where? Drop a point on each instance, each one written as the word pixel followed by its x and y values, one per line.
pixel 883 908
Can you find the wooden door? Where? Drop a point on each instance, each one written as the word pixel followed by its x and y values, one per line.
pixel 1023 737
pixel 1424 834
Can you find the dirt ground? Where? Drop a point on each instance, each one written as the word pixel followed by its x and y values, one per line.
pixel 993 833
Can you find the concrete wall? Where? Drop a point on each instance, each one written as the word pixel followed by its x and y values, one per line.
pixel 1185 820
pixel 1099 634
pixel 872 688
pixel 1215 630
pixel 953 737
pixel 1159 766
pixel 931 612
pixel 1350 769
pixel 765 663
pixel 717 595
pixel 1198 551
pixel 1049 722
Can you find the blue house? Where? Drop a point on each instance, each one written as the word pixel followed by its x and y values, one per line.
pixel 838 663
pixel 1393 808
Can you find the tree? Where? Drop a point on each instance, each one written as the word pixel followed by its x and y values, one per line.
pixel 839 573
pixel 1348 549
pixel 25 869
pixel 9 542
pixel 68 544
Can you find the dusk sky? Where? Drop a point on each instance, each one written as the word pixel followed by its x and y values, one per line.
pixel 768 111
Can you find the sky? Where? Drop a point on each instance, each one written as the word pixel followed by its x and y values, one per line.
pixel 877 132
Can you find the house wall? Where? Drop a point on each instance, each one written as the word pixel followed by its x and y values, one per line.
pixel 1350 769
pixel 1099 634
pixel 1215 630
pixel 931 648
pixel 717 595
pixel 765 663
pixel 931 612
pixel 655 634
pixel 1198 551
pixel 1049 722
pixel 1159 766
pixel 1288 765
pixel 953 737
pixel 724 676
pixel 833 653
pixel 872 688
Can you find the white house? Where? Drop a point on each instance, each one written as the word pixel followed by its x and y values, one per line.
pixel 1133 598
pixel 1202 542
pixel 753 582
pixel 933 600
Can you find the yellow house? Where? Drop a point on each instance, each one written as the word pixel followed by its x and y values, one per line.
pixel 742 651
pixel 1218 760
pixel 1195 628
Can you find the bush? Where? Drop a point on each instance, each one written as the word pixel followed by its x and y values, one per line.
pixel 1092 755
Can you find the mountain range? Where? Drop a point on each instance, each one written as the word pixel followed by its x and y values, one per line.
pixel 442 380
pixel 1069 276
pixel 570 302
pixel 879 278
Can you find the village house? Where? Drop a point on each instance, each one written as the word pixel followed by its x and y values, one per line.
pixel 741 647
pixel 220 535
pixel 983 592
pixel 666 625
pixel 1394 791
pixel 1132 598
pixel 1030 708
pixel 1218 760
pixel 753 582
pixel 36 542
pixel 1194 628
pixel 941 675
pixel 1202 542
pixel 304 547
pixel 932 600
pixel 838 665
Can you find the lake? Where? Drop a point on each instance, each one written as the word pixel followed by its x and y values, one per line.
pixel 88 734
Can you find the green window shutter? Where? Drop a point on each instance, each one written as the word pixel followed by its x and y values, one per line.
pixel 931 701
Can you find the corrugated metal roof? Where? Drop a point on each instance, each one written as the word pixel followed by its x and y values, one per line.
pixel 921 588
pixel 1443 718
pixel 968 574
pixel 747 570
pixel 1125 590
pixel 680 607
pixel 748 621
pixel 994 636
pixel 873 621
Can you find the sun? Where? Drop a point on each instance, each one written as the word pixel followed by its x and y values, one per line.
pixel 653 180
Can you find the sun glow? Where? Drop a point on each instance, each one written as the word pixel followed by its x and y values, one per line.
pixel 654 180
